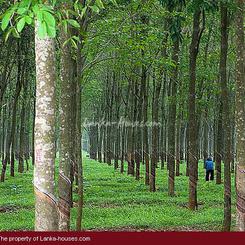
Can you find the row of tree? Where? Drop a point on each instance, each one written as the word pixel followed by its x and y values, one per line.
pixel 168 95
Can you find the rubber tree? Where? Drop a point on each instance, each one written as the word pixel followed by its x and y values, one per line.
pixel 173 23
pixel 65 149
pixel 46 218
pixel 193 127
pixel 226 116
pixel 240 116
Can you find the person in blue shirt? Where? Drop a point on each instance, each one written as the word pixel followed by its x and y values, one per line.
pixel 209 166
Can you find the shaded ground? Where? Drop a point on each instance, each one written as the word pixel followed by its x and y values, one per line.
pixel 118 202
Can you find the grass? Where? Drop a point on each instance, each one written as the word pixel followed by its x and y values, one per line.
pixel 115 201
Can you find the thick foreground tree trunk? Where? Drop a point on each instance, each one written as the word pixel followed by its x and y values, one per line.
pixel 240 116
pixel 46 218
pixel 64 184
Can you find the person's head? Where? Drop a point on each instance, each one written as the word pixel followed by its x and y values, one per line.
pixel 209 159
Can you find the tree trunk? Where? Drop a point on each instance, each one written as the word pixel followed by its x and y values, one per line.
pixel 22 130
pixel 172 121
pixel 193 128
pixel 226 117
pixel 219 136
pixel 240 116
pixel 117 127
pixel 46 217
pixel 155 132
pixel 79 157
pixel 12 139
pixel 178 148
pixel 65 150
pixel 145 135
pixel 80 63
pixel 138 155
pixel 205 137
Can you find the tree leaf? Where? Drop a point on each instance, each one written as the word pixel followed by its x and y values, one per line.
pixel 15 33
pixel 22 10
pixel 8 33
pixel 21 24
pixel 114 2
pixel 49 18
pixel 25 4
pixel 100 4
pixel 42 30
pixel 6 20
pixel 73 23
pixel 51 31
pixel 28 20
pixel 95 9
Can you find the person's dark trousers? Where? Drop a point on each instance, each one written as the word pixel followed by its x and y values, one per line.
pixel 209 175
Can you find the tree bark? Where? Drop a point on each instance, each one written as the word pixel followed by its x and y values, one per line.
pixel 145 134
pixel 46 218
pixel 226 117
pixel 22 130
pixel 65 150
pixel 193 127
pixel 172 121
pixel 155 132
pixel 240 116
pixel 218 146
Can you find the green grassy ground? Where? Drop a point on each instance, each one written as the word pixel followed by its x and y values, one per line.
pixel 118 202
